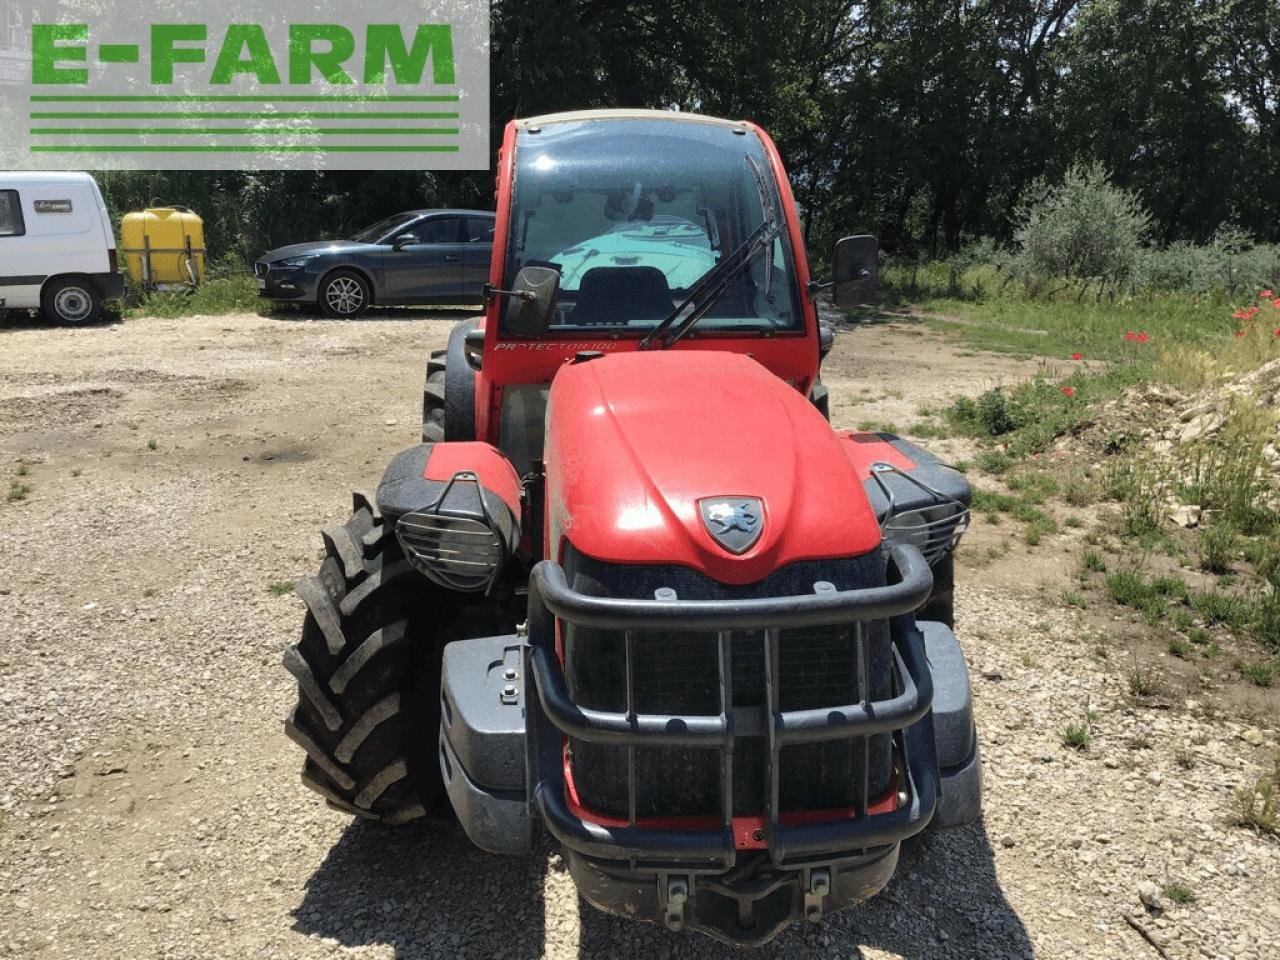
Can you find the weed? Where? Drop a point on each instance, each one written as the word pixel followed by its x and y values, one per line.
pixel 1215 546
pixel 1260 674
pixel 1184 758
pixel 151 445
pixel 1036 486
pixel 961 466
pixel 1144 681
pixel 1073 599
pixel 1220 608
pixel 1093 562
pixel 1075 523
pixel 280 588
pixel 22 470
pixel 1076 736
pixel 1183 621
pixel 17 491
pixel 1079 492
pixel 993 461
pixel 1259 806
pixel 76 472
pixel 1181 648
pixel 1179 894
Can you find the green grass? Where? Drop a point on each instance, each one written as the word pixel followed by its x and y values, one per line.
pixel 1260 674
pixel 1178 893
pixel 1076 736
pixel 17 491
pixel 1093 562
pixel 237 293
pixel 1143 681
pixel 280 588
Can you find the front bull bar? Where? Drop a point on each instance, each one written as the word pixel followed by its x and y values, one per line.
pixel 905 715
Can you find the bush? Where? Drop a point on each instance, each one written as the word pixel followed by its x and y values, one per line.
pixel 1085 228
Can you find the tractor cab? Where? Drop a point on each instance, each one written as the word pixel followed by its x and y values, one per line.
pixel 629 231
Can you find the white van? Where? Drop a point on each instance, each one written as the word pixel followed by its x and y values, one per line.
pixel 57 248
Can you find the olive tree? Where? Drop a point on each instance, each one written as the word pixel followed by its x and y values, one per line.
pixel 1084 228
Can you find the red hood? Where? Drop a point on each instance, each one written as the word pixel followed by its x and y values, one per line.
pixel 635 440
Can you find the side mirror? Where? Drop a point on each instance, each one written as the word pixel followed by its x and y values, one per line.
pixel 826 340
pixel 402 241
pixel 531 306
pixel 854 271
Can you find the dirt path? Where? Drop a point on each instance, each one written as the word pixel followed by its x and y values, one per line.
pixel 149 805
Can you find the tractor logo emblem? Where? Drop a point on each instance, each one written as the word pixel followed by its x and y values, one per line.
pixel 733 522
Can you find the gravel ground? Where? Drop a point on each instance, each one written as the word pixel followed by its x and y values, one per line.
pixel 149 804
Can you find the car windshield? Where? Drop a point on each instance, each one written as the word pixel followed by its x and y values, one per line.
pixel 633 212
pixel 384 230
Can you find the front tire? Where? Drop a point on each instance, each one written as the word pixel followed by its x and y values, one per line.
pixel 71 300
pixel 344 294
pixel 368 672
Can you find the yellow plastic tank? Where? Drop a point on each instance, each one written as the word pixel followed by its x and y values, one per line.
pixel 163 246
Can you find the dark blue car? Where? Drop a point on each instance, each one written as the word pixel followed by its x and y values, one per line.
pixel 420 257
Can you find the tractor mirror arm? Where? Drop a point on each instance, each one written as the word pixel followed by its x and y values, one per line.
pixel 491 293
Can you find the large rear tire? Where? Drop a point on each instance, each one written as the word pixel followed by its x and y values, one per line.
pixel 449 394
pixel 368 672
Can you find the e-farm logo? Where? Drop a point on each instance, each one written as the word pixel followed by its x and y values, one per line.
pixel 283 85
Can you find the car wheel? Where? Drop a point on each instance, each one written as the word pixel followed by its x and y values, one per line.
pixel 71 300
pixel 345 294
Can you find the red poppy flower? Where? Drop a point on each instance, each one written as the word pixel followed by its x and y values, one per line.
pixel 1241 315
pixel 1131 337
pixel 1068 391
pixel 1277 331
pixel 1265 295
pixel 1077 355
pixel 1252 312
pixel 1276 303
pixel 1241 333
pixel 1143 337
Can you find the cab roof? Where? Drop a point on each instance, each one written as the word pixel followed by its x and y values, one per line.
pixel 579 116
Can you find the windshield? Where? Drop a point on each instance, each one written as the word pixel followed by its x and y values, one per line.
pixel 633 212
pixel 384 230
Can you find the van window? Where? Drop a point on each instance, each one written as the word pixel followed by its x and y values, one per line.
pixel 11 224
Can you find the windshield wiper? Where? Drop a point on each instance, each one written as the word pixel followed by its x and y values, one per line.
pixel 712 285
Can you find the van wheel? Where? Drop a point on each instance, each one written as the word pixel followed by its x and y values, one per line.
pixel 71 300
pixel 344 294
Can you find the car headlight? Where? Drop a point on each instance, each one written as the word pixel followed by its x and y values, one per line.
pixel 294 262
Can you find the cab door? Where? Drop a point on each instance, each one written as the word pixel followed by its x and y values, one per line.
pixel 429 270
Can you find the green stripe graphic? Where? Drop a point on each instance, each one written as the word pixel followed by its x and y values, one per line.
pixel 211 98
pixel 257 115
pixel 205 148
pixel 228 131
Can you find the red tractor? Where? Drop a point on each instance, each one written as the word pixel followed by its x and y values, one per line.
pixel 632 588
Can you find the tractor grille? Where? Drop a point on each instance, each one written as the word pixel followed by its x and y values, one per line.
pixel 675 672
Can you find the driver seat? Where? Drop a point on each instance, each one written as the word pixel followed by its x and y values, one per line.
pixel 617 296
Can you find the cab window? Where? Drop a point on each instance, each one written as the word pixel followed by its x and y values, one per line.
pixel 11 223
